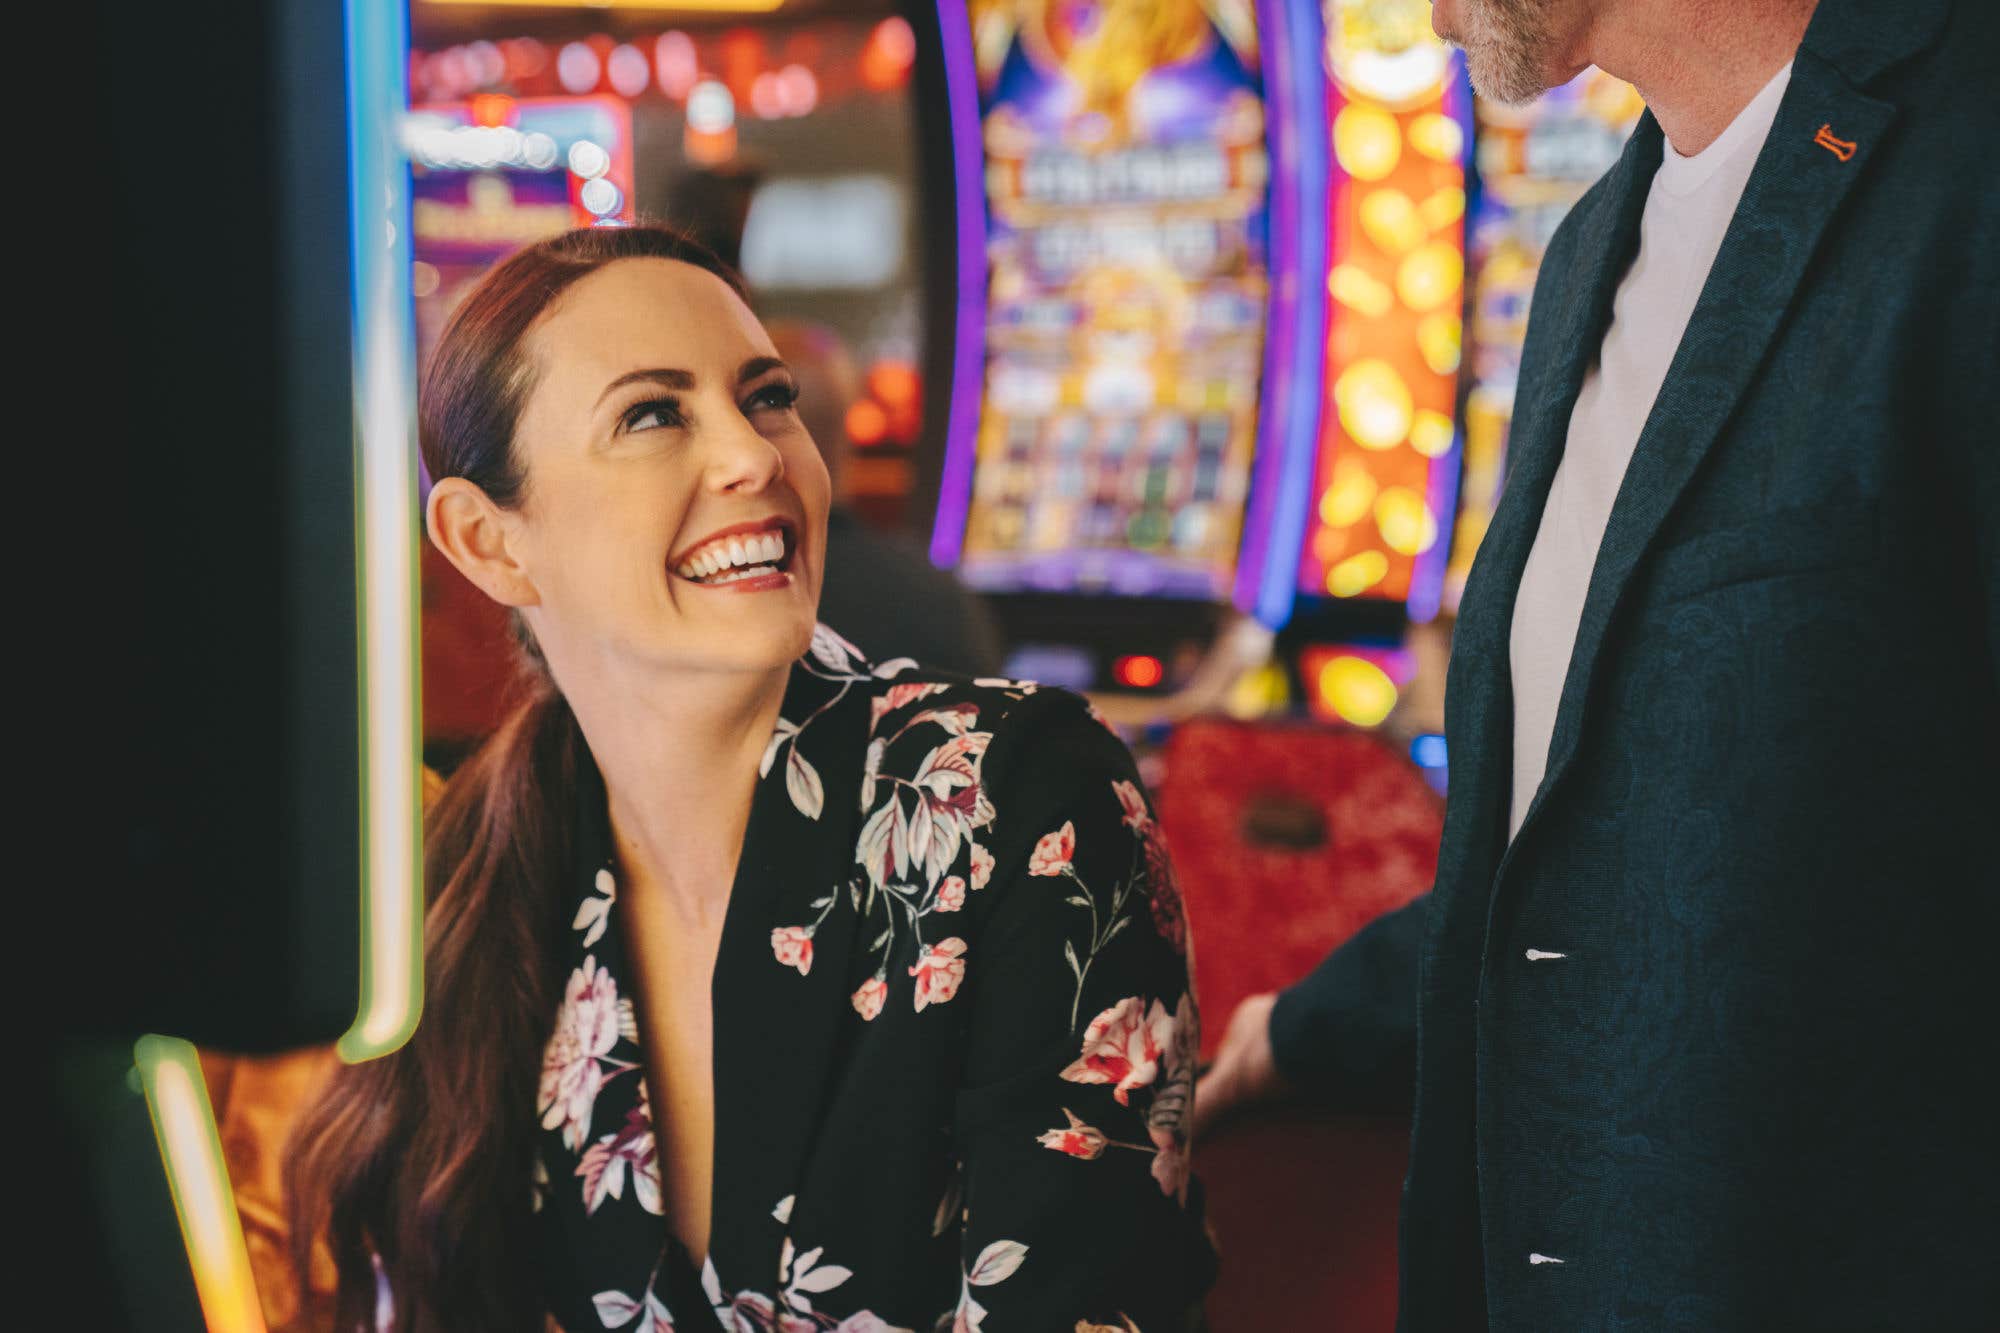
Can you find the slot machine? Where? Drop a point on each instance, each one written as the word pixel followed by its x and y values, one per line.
pixel 1123 337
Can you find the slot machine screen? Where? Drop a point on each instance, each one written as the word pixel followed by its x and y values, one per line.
pixel 1127 293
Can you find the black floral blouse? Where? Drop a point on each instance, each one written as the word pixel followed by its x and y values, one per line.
pixel 954 1038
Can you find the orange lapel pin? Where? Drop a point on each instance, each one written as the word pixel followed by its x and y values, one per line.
pixel 1840 148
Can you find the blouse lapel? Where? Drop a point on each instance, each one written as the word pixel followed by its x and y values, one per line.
pixel 782 986
pixel 779 993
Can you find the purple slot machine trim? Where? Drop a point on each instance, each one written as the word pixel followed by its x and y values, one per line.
pixel 1290 37
pixel 968 349
pixel 1427 576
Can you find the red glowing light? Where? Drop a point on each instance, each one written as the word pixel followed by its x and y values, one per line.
pixel 1138 671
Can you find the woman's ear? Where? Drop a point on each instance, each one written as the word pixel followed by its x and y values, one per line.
pixel 481 541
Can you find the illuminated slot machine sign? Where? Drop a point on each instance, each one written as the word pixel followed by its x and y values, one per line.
pixel 1535 162
pixel 1126 297
pixel 1386 479
pixel 494 173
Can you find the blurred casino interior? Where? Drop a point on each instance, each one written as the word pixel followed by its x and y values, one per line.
pixel 1181 333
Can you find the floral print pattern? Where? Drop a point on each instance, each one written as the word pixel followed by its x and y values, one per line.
pixel 920 865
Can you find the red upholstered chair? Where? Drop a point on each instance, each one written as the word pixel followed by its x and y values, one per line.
pixel 1289 838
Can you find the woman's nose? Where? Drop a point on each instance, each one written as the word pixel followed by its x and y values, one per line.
pixel 742 459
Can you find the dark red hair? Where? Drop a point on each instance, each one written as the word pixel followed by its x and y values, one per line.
pixel 423 1159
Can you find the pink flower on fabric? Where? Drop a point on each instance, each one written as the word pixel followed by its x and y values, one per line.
pixel 1053 852
pixel 586 1028
pixel 1136 814
pixel 793 946
pixel 868 1000
pixel 1123 1046
pixel 939 971
pixel 1170 1164
pixel 951 895
pixel 1079 1140
pixel 982 867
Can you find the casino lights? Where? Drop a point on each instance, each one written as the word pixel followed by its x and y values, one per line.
pixel 1386 479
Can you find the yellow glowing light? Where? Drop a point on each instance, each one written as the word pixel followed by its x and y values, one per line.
pixel 1374 404
pixel 1445 206
pixel 1360 291
pixel 1358 690
pixel 1389 219
pixel 1357 574
pixel 1437 137
pixel 184 1125
pixel 1430 433
pixel 1407 524
pixel 1430 277
pixel 1348 498
pixel 1366 141
pixel 1438 339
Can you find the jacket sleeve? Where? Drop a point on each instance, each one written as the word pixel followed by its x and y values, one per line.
pixel 1082 1041
pixel 1346 1033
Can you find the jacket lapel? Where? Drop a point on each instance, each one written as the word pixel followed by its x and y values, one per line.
pixel 779 1031
pixel 1797 185
pixel 1571 310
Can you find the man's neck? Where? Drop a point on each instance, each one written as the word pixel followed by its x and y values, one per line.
pixel 1697 62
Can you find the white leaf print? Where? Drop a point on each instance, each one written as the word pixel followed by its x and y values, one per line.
pixel 833 652
pixel 591 916
pixel 779 735
pixel 658 1318
pixel 711 1281
pixel 628 1020
pixel 822 1279
pixel 614 1308
pixel 895 666
pixel 997 1262
pixel 802 781
pixel 783 1212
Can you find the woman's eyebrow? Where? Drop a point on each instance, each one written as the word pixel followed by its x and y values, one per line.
pixel 759 365
pixel 671 379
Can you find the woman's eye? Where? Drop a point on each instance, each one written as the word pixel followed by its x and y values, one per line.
pixel 775 398
pixel 653 415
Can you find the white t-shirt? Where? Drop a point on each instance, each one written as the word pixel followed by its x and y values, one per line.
pixel 1687 211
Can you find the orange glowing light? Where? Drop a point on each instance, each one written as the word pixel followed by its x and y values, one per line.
pixel 894 384
pixel 867 423
pixel 1138 671
pixel 492 110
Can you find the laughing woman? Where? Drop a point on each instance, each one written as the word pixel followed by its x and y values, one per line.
pixel 768 988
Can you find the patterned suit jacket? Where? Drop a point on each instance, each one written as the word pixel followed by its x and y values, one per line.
pixel 1705 1046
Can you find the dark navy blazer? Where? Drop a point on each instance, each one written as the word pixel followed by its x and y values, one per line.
pixel 1709 1045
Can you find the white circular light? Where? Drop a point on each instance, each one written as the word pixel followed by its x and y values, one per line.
pixel 711 109
pixel 485 63
pixel 577 68
pixel 600 196
pixel 675 62
pixel 798 90
pixel 629 70
pixel 588 160
pixel 539 151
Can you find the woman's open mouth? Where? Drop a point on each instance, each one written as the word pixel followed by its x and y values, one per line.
pixel 749 556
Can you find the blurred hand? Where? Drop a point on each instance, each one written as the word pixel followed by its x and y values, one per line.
pixel 1245 1073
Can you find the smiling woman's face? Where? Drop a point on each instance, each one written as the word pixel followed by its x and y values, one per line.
pixel 674 514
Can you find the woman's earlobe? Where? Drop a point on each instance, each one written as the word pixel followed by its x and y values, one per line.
pixel 473 533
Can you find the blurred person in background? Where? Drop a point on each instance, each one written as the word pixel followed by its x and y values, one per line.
pixel 1700 1007
pixel 766 986
pixel 881 592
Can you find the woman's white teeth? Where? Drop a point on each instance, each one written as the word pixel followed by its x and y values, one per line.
pixel 727 559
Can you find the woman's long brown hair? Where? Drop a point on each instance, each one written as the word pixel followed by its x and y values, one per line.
pixel 423 1159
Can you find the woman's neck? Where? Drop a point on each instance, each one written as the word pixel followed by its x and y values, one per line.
pixel 679 758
